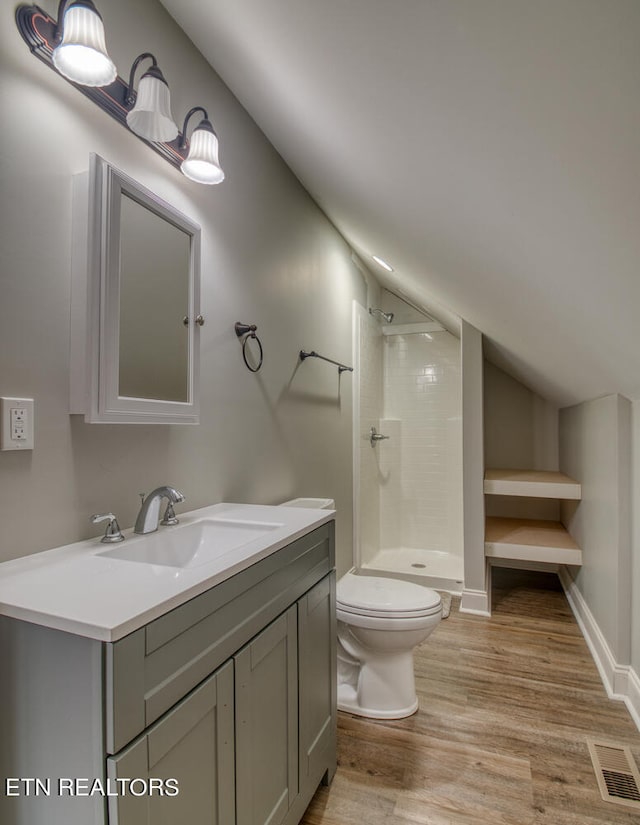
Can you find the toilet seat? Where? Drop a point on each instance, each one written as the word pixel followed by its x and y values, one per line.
pixel 390 599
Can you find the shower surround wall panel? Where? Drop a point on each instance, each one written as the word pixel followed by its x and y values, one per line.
pixel 421 463
pixel 369 375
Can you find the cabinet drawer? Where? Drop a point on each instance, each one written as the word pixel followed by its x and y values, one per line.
pixel 150 670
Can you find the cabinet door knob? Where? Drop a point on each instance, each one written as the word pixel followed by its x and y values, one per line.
pixel 199 320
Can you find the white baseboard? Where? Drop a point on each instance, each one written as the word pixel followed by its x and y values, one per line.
pixel 600 650
pixel 475 601
pixel 620 681
pixel 632 699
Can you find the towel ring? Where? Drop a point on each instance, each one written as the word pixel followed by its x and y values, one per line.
pixel 249 331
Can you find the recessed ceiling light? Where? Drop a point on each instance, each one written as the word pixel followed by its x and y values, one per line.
pixel 382 263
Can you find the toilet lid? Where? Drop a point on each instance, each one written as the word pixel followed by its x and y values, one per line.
pixel 376 596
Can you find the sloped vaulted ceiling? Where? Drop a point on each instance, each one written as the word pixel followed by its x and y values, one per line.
pixel 488 149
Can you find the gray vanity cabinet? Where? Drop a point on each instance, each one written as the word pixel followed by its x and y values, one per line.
pixel 194 743
pixel 232 693
pixel 269 712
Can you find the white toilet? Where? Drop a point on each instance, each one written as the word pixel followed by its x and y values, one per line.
pixel 380 621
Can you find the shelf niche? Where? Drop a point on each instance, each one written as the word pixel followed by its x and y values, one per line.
pixel 531 540
pixel 532 484
pixel 525 539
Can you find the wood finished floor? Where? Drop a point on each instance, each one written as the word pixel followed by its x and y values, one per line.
pixel 505 706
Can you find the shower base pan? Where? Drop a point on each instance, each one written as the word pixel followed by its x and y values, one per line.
pixel 432 568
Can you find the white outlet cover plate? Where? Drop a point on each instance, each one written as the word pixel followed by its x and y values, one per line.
pixel 8 439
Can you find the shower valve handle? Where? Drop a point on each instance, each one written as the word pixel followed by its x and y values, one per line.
pixel 376 436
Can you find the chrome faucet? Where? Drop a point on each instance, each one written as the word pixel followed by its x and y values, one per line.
pixel 147 520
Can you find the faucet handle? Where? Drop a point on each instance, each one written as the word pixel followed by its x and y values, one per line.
pixel 374 436
pixel 112 534
pixel 169 517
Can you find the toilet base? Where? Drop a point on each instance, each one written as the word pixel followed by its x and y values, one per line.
pixel 348 703
pixel 377 684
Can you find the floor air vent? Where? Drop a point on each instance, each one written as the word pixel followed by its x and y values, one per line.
pixel 616 772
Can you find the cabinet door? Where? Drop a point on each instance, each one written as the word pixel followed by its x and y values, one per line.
pixel 317 682
pixel 193 744
pixel 267 724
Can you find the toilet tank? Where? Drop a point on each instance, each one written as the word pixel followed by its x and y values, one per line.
pixel 311 503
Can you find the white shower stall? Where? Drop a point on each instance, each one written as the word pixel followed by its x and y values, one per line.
pixel 408 520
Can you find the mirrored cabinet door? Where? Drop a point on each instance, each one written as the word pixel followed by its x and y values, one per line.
pixel 135 303
pixel 153 340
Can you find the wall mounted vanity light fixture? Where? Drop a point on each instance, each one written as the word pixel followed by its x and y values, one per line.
pixel 80 53
pixel 201 164
pixel 150 116
pixel 64 46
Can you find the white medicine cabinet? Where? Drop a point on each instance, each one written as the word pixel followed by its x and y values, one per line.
pixel 135 314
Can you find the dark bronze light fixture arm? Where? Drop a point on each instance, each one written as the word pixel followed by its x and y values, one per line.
pixel 41 32
pixel 58 32
pixel 205 123
pixel 131 93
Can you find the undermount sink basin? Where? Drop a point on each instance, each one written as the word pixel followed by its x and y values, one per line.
pixel 192 544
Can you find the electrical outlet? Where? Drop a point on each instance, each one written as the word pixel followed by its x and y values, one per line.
pixel 16 432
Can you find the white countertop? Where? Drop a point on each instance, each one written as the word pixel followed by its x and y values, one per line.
pixel 75 589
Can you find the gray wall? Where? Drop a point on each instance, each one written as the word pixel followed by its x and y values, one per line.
pixel 473 465
pixel 520 433
pixel 520 427
pixel 595 448
pixel 269 256
pixel 635 526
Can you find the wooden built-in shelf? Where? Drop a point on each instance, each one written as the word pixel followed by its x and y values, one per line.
pixel 530 540
pixel 531 483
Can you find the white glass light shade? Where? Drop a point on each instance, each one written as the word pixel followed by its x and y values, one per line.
pixel 202 164
pixel 151 118
pixel 82 55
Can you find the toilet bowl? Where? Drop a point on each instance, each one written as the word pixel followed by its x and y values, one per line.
pixel 380 622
